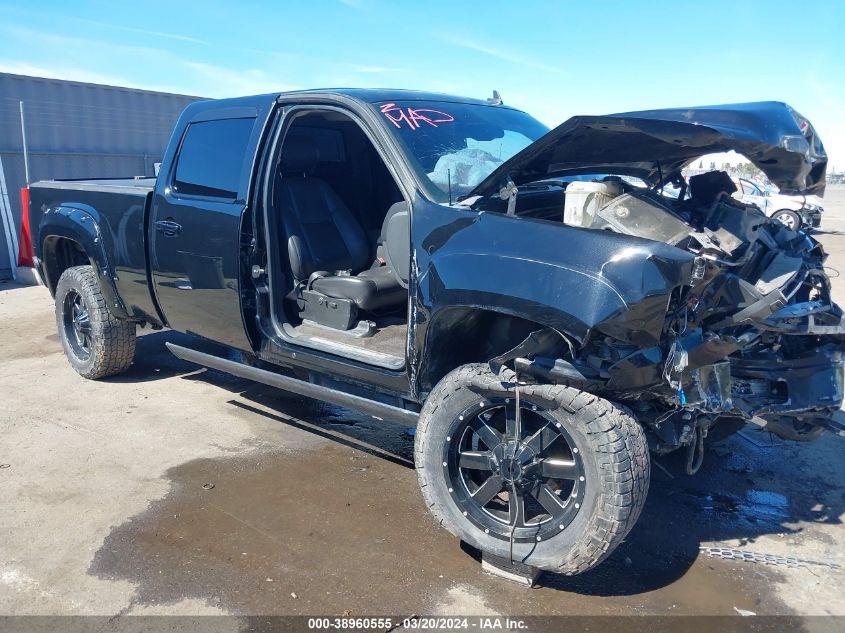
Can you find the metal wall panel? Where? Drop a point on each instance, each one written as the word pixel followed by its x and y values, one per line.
pixel 79 130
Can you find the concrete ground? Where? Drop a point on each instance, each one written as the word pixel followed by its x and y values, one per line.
pixel 175 490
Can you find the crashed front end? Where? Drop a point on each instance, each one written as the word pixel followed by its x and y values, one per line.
pixel 754 333
pixel 750 332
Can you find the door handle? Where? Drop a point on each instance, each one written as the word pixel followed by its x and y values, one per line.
pixel 168 228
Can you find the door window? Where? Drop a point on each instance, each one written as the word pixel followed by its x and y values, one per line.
pixel 211 158
pixel 750 189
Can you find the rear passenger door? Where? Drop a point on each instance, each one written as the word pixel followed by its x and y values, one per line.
pixel 195 222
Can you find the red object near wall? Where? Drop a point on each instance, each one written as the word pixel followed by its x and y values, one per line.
pixel 25 251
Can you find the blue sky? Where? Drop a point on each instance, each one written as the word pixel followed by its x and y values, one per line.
pixel 552 59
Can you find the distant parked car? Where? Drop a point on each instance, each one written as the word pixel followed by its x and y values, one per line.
pixel 795 212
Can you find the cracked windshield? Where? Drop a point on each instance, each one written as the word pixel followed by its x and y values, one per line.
pixel 454 146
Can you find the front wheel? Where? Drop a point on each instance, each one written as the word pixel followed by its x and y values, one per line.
pixel 556 482
pixel 95 342
pixel 788 218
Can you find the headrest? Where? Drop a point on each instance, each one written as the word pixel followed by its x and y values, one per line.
pixel 396 207
pixel 299 155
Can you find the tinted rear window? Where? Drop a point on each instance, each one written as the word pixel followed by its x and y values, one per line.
pixel 211 158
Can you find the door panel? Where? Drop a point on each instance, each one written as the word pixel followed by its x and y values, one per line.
pixel 749 193
pixel 195 228
pixel 196 268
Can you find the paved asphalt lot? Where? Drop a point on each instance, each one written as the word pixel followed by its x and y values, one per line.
pixel 316 510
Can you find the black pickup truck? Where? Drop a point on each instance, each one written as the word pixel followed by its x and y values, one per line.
pixel 535 302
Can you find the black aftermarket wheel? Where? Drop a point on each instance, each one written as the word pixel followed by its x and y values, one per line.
pixel 560 478
pixel 76 320
pixel 504 478
pixel 95 342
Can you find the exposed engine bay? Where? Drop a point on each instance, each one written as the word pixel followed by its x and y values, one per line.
pixel 752 334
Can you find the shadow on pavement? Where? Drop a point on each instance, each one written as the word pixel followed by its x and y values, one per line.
pixel 153 361
pixel 744 490
pixel 748 487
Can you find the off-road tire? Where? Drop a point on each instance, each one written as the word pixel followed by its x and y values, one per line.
pixel 615 458
pixel 112 341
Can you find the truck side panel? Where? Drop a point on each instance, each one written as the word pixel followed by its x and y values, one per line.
pixel 109 226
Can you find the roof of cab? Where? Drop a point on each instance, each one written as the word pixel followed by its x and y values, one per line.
pixel 380 95
pixel 366 95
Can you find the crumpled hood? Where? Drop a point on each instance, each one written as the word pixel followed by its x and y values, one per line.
pixel 773 136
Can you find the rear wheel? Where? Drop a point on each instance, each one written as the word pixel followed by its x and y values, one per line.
pixel 788 218
pixel 95 342
pixel 556 482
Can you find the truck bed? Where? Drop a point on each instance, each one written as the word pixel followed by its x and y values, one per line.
pixel 118 208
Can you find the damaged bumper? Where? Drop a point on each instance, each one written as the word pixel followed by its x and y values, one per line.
pixel 809 385
pixel 753 333
pixel 812 218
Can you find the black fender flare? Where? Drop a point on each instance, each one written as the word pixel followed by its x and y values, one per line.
pixel 81 224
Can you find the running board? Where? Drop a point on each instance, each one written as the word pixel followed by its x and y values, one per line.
pixel 317 392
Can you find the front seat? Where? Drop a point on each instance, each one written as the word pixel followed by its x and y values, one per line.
pixel 328 249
